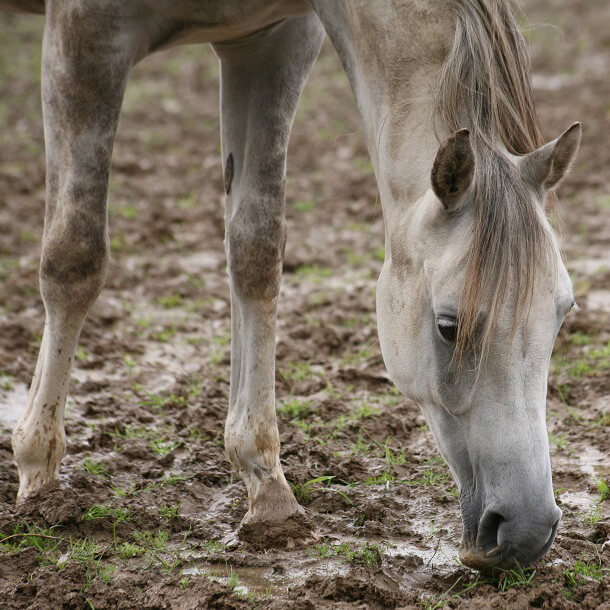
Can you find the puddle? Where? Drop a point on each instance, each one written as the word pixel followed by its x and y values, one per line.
pixel 580 501
pixel 265 580
pixel 244 580
pixel 594 464
pixel 11 404
pixel 589 460
pixel 440 554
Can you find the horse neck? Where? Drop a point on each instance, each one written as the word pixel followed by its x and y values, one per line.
pixel 392 53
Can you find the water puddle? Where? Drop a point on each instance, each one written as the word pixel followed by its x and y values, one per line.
pixel 594 464
pixel 266 580
pixel 580 501
pixel 12 402
pixel 440 554
pixel 243 579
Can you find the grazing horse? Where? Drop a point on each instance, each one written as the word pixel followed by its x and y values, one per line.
pixel 473 289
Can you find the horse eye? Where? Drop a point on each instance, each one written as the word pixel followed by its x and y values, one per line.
pixel 447 327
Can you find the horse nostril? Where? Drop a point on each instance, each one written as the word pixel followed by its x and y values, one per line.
pixel 487 537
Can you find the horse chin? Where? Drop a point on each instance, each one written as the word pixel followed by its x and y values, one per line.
pixel 486 561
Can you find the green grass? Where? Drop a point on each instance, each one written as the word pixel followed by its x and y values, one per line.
pixel 504 580
pixel 295 409
pixel 30 535
pixel 163 447
pixel 171 511
pixel 392 458
pixel 360 447
pixel 85 550
pixel 580 338
pixel 602 420
pixel 593 516
pixel 602 489
pixel 128 212
pixel 105 572
pixel 558 440
pixel 163 336
pixel 584 572
pixel 233 580
pixel 213 547
pixel 364 554
pixel 95 468
pixel 366 411
pixel 515 578
pixel 593 362
pixel 170 302
pixel 105 511
pixel 435 477
pixel 160 444
pixel 128 550
pixel 297 371
pixel 303 491
pixel 6 382
pixel 313 273
pixel 304 206
pixel 162 401
pixel 151 540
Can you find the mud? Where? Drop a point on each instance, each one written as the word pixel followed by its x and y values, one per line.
pixel 147 510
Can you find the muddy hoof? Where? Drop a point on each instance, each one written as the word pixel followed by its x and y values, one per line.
pixel 296 531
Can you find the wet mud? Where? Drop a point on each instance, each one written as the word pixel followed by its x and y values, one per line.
pixel 147 510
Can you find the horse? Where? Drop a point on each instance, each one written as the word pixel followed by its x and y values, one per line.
pixel 473 289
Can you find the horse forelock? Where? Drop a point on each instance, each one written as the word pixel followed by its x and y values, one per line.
pixel 485 86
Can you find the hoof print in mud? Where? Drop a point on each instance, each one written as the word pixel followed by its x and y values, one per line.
pixel 295 532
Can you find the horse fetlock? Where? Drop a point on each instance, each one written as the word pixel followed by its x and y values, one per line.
pixel 270 499
pixel 38 452
pixel 255 453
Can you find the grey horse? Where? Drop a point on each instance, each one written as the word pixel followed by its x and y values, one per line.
pixel 473 289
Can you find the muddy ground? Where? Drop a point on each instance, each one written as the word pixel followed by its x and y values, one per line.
pixel 149 507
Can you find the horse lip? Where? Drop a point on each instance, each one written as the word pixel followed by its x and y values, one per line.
pixel 482 560
pixel 495 551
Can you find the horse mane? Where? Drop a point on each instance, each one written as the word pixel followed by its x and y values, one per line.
pixel 485 86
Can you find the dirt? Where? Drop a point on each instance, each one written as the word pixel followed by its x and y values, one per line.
pixel 147 510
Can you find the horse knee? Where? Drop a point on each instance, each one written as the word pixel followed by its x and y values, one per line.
pixel 74 261
pixel 256 238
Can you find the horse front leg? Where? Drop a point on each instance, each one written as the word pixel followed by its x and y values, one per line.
pixel 261 81
pixel 85 63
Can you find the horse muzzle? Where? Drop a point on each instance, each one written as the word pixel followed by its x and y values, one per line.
pixel 503 543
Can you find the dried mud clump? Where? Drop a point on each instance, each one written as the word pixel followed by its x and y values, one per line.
pixel 296 532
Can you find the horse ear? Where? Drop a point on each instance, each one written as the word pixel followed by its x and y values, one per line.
pixel 546 166
pixel 453 168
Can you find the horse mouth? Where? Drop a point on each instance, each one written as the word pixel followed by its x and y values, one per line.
pixel 502 557
pixel 484 561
